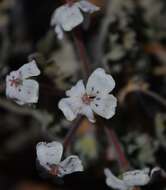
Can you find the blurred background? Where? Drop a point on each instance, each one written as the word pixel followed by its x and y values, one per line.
pixel 128 39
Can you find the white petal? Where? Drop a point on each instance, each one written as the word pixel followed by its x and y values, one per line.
pixel 77 91
pixel 136 177
pixel 72 18
pixel 87 111
pixel 29 70
pixel 87 6
pixel 59 32
pixel 68 17
pixel 28 92
pixel 49 153
pixel 100 82
pixel 104 105
pixel 114 182
pixel 70 107
pixel 70 165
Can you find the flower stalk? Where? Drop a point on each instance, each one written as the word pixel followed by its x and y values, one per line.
pixel 73 128
pixel 82 53
pixel 123 162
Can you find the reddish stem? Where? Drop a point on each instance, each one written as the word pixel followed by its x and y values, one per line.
pixel 77 36
pixel 124 164
pixel 2 88
pixel 72 132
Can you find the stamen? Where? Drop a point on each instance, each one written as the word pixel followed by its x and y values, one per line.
pixel 54 170
pixel 70 2
pixel 87 99
pixel 15 82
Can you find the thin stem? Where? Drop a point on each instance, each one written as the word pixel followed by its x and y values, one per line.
pixel 82 53
pixel 2 87
pixel 77 36
pixel 123 162
pixel 72 132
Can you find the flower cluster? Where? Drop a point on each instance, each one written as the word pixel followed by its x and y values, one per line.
pixel 94 98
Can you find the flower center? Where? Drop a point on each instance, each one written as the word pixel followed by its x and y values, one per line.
pixel 87 99
pixel 54 170
pixel 70 2
pixel 15 82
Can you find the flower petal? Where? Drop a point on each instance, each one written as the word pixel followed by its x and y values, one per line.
pixel 104 105
pixel 100 83
pixel 29 70
pixel 70 165
pixel 114 182
pixel 59 32
pixel 27 92
pixel 87 6
pixel 77 91
pixel 87 111
pixel 68 17
pixel 70 107
pixel 49 153
pixel 72 18
pixel 136 177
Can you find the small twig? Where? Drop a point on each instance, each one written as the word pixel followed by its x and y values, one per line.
pixel 72 132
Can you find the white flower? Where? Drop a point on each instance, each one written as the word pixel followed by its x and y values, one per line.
pixel 94 98
pixel 49 156
pixel 20 88
pixel 68 16
pixel 130 179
